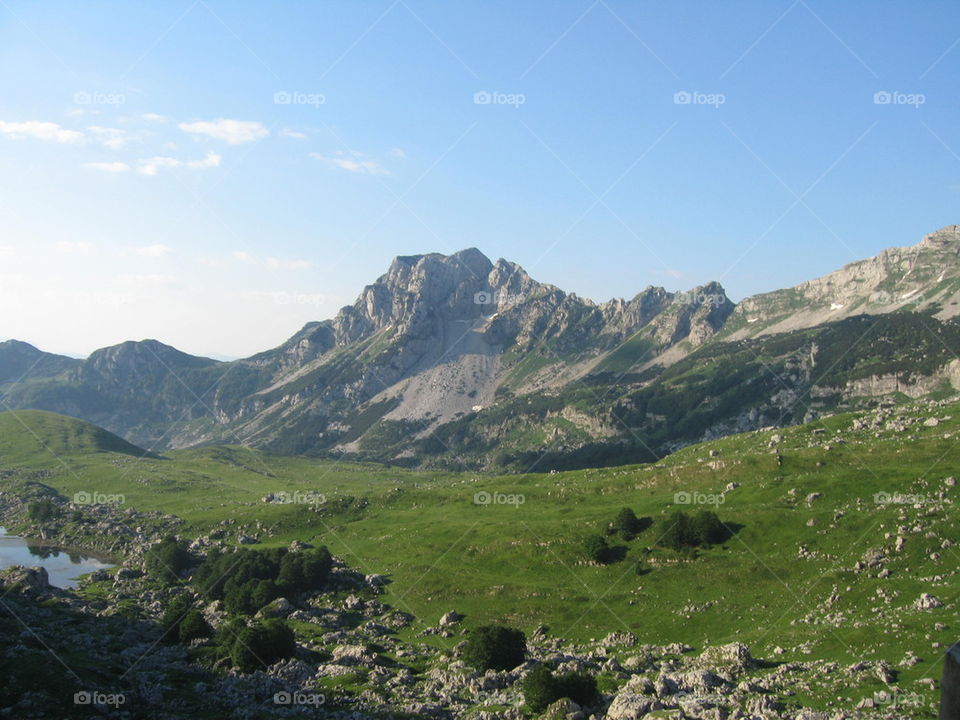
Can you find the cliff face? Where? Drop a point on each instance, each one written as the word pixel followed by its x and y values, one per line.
pixel 460 350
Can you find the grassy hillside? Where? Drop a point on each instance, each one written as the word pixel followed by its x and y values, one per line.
pixel 813 567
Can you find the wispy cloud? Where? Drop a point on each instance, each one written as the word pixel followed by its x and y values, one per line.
pixel 151 166
pixel 241 255
pixel 284 264
pixel 113 138
pixel 7 251
pixel 287 132
pixel 148 280
pixel 75 247
pixel 154 251
pixel 233 132
pixel 38 130
pixel 353 162
pixel 110 167
pixel 153 117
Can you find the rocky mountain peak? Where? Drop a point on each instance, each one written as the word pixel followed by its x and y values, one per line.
pixel 948 236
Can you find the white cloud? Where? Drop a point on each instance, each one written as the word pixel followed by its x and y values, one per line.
pixel 241 255
pixel 150 166
pixel 153 117
pixel 113 138
pixel 7 251
pixel 352 163
pixel 233 132
pixel 211 159
pixel 154 251
pixel 284 264
pixel 147 280
pixel 48 131
pixel 398 153
pixel 287 132
pixel 110 167
pixel 77 247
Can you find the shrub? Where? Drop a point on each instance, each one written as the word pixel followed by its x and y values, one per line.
pixel 192 626
pixel 627 524
pixel 261 644
pixel 495 647
pixel 167 559
pixel 538 688
pixel 597 549
pixel 707 528
pixel 43 510
pixel 678 530
pixel 541 688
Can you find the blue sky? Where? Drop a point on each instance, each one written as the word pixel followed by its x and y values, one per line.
pixel 215 174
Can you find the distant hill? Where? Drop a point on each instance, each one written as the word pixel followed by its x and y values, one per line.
pixel 26 433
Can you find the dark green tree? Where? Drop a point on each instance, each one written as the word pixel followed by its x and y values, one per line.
pixel 707 529
pixel 538 689
pixel 192 626
pixel 495 647
pixel 627 524
pixel 260 645
pixel 167 559
pixel 597 549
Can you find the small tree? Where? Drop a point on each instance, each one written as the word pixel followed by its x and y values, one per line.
pixel 597 549
pixel 675 530
pixel 167 559
pixel 542 688
pixel 707 529
pixel 538 688
pixel 627 524
pixel 192 626
pixel 42 510
pixel 262 644
pixel 495 647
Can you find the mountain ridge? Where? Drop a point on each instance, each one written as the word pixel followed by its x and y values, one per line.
pixel 441 342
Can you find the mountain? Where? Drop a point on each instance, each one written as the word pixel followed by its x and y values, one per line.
pixel 27 434
pixel 454 360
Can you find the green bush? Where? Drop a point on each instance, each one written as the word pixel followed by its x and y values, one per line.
pixel 43 510
pixel 167 559
pixel 678 530
pixel 193 626
pixel 495 647
pixel 597 549
pixel 627 524
pixel 258 646
pixel 249 579
pixel 541 688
